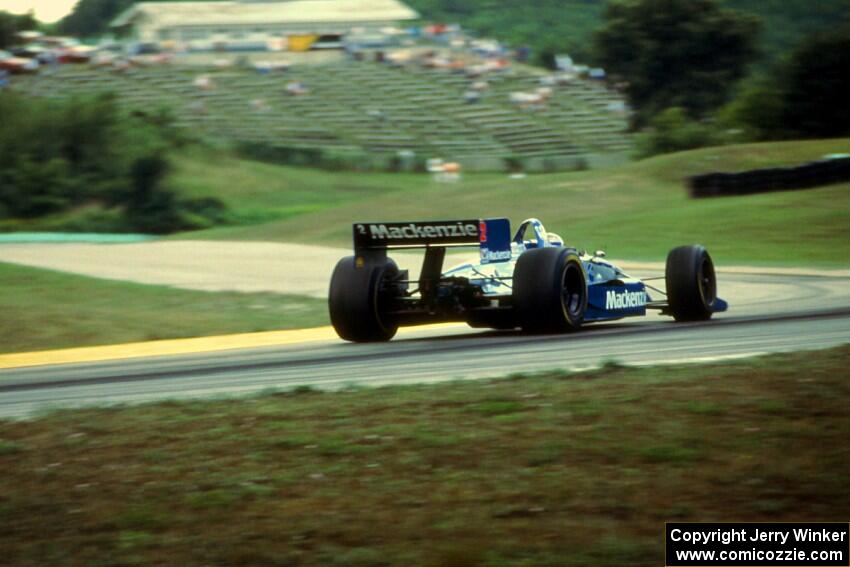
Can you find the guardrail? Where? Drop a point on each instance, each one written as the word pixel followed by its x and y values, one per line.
pixel 805 176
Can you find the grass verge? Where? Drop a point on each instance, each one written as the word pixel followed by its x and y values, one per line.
pixel 257 192
pixel 43 309
pixel 555 469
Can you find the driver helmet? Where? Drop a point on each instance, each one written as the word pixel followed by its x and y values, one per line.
pixel 554 239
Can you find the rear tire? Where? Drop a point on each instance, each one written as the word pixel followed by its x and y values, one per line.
pixel 691 283
pixel 550 290
pixel 358 300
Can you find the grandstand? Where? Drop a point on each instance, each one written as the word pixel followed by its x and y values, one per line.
pixel 370 109
pixel 251 23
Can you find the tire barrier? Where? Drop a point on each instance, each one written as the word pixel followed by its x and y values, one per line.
pixel 805 176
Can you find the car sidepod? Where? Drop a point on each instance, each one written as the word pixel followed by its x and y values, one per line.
pixel 607 301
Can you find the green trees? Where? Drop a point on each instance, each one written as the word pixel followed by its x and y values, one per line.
pixel 85 155
pixel 549 27
pixel 566 26
pixel 816 94
pixel 804 96
pixel 92 17
pixel 11 24
pixel 675 53
pixel 672 131
pixel 54 156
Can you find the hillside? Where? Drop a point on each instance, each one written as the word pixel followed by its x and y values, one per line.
pixel 634 211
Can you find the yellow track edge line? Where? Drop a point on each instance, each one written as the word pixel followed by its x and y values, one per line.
pixel 197 345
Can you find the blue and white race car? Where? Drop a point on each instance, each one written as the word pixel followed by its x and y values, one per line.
pixel 528 280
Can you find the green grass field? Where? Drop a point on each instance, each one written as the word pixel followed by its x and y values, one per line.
pixel 259 192
pixel 634 211
pixel 567 470
pixel 43 309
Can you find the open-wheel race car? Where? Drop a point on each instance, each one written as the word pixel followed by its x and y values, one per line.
pixel 528 280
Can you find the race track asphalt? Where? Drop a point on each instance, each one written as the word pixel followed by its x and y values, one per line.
pixel 768 314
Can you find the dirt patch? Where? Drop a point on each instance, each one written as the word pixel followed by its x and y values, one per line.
pixel 296 269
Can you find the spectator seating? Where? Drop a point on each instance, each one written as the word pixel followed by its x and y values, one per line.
pixel 366 107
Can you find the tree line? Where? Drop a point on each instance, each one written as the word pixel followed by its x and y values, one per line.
pixel 109 170
pixel 11 24
pixel 685 66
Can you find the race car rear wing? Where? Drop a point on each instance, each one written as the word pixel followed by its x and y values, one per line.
pixel 373 239
pixel 416 234
pixel 493 236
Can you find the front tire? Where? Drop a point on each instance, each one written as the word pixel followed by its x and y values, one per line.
pixel 691 283
pixel 358 300
pixel 550 290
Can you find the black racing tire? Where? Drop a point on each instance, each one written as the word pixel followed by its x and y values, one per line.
pixel 550 290
pixel 357 300
pixel 691 283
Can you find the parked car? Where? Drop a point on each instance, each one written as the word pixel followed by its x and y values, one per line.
pixel 17 65
pixel 76 54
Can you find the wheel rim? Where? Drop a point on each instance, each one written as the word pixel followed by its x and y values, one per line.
pixel 573 292
pixel 707 282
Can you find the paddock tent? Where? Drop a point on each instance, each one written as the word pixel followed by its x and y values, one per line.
pixel 246 21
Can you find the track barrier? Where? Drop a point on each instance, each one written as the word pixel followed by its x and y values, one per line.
pixel 806 176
